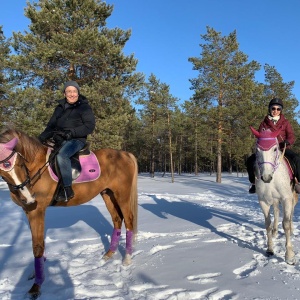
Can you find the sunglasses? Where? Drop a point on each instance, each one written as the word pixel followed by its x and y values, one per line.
pixel 276 108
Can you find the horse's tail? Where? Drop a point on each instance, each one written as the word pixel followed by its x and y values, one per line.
pixel 134 194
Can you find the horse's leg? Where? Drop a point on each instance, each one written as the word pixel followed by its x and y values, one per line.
pixel 276 219
pixel 130 231
pixel 117 219
pixel 268 225
pixel 36 220
pixel 287 226
pixel 295 201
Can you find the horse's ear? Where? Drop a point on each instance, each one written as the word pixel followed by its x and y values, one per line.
pixel 255 132
pixel 11 144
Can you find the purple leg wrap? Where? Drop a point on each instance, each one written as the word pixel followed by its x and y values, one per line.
pixel 129 238
pixel 39 270
pixel 115 240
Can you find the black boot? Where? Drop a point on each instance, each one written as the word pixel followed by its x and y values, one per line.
pixel 252 189
pixel 65 194
pixel 297 188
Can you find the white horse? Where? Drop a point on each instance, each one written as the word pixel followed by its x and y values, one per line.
pixel 274 184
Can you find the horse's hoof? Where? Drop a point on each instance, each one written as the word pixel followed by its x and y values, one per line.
pixel 291 261
pixel 269 253
pixel 105 258
pixel 127 260
pixel 34 292
pixel 108 255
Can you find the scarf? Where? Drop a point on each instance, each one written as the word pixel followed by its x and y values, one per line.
pixel 274 119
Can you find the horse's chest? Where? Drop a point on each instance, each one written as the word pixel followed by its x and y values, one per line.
pixel 269 193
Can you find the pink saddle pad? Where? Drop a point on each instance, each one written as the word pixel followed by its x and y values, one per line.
pixel 90 168
pixel 290 170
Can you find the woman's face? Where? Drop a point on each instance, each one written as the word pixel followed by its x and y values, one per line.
pixel 71 93
pixel 276 110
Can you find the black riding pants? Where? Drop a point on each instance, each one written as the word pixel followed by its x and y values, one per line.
pixel 250 162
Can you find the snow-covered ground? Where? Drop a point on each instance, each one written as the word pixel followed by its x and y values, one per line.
pixel 197 240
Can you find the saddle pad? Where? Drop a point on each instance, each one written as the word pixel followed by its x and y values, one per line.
pixel 290 169
pixel 90 168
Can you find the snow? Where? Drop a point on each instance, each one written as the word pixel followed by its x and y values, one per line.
pixel 197 239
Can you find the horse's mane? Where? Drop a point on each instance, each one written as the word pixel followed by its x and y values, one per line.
pixel 28 146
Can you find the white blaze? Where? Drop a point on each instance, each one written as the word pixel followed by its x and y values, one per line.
pixel 25 192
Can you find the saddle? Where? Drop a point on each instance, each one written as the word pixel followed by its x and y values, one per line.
pixel 84 163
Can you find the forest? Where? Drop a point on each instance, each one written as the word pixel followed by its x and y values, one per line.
pixel 69 40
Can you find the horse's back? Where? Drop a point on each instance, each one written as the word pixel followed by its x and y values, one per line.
pixel 117 164
pixel 111 157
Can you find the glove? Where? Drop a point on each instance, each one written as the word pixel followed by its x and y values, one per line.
pixel 61 136
pixel 67 135
pixel 58 139
pixel 44 136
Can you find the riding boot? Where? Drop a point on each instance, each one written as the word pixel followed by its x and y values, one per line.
pixel 251 174
pixel 297 188
pixel 252 189
pixel 65 194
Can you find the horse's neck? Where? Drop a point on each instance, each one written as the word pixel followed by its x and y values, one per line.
pixel 33 154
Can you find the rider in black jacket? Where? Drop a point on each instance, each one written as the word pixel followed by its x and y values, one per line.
pixel 71 122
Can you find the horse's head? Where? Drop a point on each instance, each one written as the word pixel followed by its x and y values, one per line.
pixel 267 153
pixel 13 168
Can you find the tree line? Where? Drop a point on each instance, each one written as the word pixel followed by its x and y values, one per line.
pixel 69 40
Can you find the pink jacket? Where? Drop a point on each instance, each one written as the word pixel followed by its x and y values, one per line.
pixel 286 130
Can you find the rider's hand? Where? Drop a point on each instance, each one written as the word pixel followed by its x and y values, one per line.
pixel 67 135
pixel 58 139
pixel 44 136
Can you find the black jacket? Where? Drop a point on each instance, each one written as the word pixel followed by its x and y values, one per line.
pixel 77 117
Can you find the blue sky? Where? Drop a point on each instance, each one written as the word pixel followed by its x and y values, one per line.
pixel 165 33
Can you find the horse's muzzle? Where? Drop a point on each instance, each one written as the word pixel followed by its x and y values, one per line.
pixel 28 200
pixel 266 179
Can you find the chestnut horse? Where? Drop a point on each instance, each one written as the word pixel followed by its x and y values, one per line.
pixel 24 166
pixel 275 185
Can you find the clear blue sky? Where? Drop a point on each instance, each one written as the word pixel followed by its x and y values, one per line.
pixel 165 33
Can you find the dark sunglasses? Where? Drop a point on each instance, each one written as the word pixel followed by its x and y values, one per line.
pixel 276 108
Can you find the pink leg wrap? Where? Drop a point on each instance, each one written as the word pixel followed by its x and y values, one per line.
pixel 115 239
pixel 129 239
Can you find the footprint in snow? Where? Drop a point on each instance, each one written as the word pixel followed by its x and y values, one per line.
pixel 250 268
pixel 203 278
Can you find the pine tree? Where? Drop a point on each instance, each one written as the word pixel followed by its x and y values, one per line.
pixel 4 80
pixel 221 67
pixel 158 106
pixel 69 40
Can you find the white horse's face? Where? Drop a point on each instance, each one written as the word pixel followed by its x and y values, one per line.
pixel 267 161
